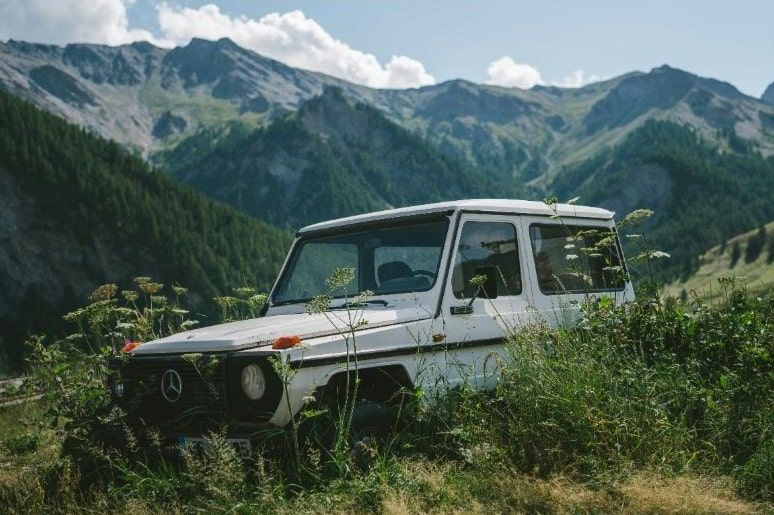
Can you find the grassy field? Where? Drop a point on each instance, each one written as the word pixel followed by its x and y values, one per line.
pixel 719 261
pixel 35 479
pixel 659 407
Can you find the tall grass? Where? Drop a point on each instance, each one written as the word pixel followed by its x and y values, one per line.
pixel 596 418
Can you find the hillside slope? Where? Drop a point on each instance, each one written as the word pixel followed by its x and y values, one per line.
pixel 76 211
pixel 754 267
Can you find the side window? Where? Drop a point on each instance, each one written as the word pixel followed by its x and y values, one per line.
pixel 573 259
pixel 487 244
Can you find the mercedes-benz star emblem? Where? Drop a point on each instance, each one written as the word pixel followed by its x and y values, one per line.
pixel 171 385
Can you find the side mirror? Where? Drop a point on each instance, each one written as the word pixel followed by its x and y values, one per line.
pixel 486 280
pixel 489 287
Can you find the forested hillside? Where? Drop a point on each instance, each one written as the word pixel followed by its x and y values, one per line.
pixel 331 158
pixel 701 194
pixel 76 211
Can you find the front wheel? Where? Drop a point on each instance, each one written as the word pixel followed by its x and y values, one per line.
pixel 371 423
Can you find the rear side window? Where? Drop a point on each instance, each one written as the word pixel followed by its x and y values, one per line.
pixel 576 259
pixel 485 244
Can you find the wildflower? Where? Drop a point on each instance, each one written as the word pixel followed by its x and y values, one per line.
pixel 340 278
pixel 179 290
pixel 226 302
pixel 244 291
pixel 129 295
pixel 258 299
pixel 319 304
pixel 149 288
pixel 142 280
pixel 104 292
pixel 636 217
pixel 192 357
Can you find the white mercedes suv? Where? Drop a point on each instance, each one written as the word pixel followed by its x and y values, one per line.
pixel 425 323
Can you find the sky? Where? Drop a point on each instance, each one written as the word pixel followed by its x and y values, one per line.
pixel 400 43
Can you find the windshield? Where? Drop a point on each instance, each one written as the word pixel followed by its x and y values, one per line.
pixel 396 258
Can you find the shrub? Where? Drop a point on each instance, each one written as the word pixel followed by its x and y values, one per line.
pixel 756 477
pixel 755 245
pixel 22 444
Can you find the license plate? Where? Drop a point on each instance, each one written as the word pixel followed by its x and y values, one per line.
pixel 199 444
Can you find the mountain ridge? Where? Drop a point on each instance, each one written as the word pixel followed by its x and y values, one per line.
pixel 129 93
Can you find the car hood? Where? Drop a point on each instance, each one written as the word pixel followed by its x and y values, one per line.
pixel 263 331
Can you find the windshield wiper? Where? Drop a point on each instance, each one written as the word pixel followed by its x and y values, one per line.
pixel 360 304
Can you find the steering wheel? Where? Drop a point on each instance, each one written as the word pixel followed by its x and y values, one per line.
pixel 427 273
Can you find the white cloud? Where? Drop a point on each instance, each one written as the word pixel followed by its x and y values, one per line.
pixel 510 74
pixel 68 21
pixel 293 39
pixel 576 79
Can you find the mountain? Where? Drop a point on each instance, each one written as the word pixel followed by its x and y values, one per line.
pixel 331 158
pixel 150 99
pixel 768 95
pixel 77 211
pixel 144 96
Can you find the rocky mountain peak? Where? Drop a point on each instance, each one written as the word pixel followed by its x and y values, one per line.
pixel 768 95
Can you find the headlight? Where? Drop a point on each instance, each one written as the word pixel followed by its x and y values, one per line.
pixel 118 390
pixel 253 382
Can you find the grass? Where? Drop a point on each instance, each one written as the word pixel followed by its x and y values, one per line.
pixel 39 481
pixel 758 275
pixel 653 408
pixel 393 485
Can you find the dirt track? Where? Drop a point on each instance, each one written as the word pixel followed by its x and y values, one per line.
pixel 13 399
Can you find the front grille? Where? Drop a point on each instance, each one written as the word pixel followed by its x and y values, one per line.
pixel 202 397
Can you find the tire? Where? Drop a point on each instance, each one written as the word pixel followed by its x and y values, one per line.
pixel 371 423
pixel 371 420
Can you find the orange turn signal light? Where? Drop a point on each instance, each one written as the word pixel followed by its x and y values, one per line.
pixel 286 342
pixel 129 346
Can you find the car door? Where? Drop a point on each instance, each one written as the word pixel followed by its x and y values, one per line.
pixel 565 269
pixel 475 327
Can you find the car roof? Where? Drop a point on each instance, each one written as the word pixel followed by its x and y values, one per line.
pixel 526 207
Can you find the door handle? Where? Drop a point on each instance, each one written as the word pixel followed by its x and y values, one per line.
pixel 465 309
